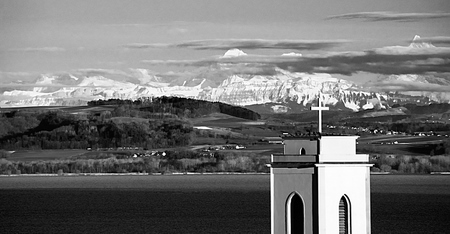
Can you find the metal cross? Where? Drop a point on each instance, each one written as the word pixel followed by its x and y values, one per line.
pixel 320 108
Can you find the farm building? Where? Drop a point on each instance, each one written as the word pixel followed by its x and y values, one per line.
pixel 273 140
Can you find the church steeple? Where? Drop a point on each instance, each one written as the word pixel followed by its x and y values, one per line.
pixel 320 185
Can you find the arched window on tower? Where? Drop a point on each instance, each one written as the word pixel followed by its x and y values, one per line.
pixel 295 214
pixel 344 215
pixel 302 151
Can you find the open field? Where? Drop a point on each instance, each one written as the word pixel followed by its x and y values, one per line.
pixel 69 109
pixel 389 139
pixel 414 150
pixel 400 144
pixel 275 125
pixel 265 149
pixel 198 204
pixel 235 127
pixel 220 120
pixel 36 155
pixel 44 155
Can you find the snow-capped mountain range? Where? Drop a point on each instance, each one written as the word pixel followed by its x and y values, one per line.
pixel 278 90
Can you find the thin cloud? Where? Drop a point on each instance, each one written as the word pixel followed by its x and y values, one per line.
pixel 178 30
pixel 39 49
pixel 182 63
pixel 31 85
pixel 17 74
pixel 379 61
pixel 6 77
pixel 100 72
pixel 259 44
pixel 129 25
pixel 262 70
pixel 435 40
pixel 387 60
pixel 252 44
pixel 113 74
pixel 145 46
pixel 169 25
pixel 405 86
pixel 390 16
pixel 218 73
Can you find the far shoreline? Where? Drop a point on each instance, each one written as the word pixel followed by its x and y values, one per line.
pixel 189 173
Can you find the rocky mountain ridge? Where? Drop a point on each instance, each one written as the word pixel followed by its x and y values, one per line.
pixel 303 89
pixel 285 87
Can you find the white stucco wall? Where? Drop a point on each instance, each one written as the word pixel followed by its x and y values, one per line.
pixel 338 145
pixel 336 180
pixel 340 149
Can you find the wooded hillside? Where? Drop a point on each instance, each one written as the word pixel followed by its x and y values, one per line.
pixel 145 123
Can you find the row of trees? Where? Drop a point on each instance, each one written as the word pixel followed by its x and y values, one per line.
pixel 177 162
pixel 411 164
pixel 181 107
pixel 218 163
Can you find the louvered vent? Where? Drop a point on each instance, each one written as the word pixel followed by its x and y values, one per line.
pixel 343 216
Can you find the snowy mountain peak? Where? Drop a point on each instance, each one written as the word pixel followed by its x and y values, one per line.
pixel 416 38
pixel 417 42
pixel 234 53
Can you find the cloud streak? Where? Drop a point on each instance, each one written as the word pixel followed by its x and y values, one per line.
pixel 6 77
pixel 390 16
pixel 39 49
pixel 435 40
pixel 249 44
pixel 405 86
pixel 387 61
pixel 145 46
pixel 99 72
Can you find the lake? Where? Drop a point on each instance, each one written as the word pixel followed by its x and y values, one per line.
pixel 198 204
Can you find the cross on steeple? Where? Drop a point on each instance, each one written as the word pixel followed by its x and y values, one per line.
pixel 320 108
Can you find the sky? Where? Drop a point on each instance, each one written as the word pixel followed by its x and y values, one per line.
pixel 358 40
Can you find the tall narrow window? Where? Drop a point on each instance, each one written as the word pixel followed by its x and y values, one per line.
pixel 295 215
pixel 344 216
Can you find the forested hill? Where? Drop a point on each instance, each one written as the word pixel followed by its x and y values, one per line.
pixel 182 107
pixel 426 109
pixel 62 130
pixel 145 123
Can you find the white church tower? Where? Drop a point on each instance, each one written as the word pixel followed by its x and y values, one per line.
pixel 320 185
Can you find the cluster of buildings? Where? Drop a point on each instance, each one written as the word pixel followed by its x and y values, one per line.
pixel 223 147
pixel 150 154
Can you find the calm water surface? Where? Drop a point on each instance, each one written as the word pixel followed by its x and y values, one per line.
pixel 197 204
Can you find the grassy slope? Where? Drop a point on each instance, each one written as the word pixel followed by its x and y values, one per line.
pixel 34 155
